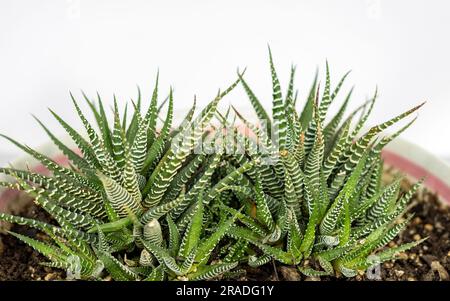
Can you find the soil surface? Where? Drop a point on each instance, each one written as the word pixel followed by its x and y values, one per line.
pixel 428 261
pixel 18 261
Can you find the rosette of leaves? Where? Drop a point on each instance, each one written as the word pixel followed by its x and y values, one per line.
pixel 317 195
pixel 129 205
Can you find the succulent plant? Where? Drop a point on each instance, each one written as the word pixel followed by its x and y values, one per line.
pixel 317 196
pixel 115 205
pixel 188 203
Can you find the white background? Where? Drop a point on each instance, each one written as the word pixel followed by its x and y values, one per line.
pixel 50 47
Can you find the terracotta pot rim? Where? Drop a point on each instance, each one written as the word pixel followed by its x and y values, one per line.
pixel 416 162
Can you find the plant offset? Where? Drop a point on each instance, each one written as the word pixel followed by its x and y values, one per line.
pixel 186 203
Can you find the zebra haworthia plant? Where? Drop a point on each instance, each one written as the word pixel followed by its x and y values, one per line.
pixel 317 200
pixel 142 204
pixel 130 206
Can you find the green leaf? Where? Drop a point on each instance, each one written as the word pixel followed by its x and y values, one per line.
pixel 152 232
pixel 230 178
pixel 101 120
pixel 49 251
pixel 259 109
pixel 191 237
pixel 130 176
pixel 174 236
pixel 115 268
pixel 206 247
pixel 330 220
pixel 134 124
pixel 262 209
pixel 157 274
pixel 212 271
pixel 326 98
pixel 155 151
pixel 151 116
pixel 107 163
pixel 332 126
pixel 79 162
pixel 121 201
pixel 161 210
pixel 278 110
pixel 307 112
pixel 118 143
pixel 83 145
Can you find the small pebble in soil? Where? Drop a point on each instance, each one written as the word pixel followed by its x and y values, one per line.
pixel 290 274
pixel 392 244
pixel 51 276
pixel 428 227
pixel 42 236
pixel 399 273
pixel 312 279
pixel 389 265
pixel 417 237
pixel 437 266
pixel 417 221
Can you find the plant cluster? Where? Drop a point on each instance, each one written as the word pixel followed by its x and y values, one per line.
pixel 136 203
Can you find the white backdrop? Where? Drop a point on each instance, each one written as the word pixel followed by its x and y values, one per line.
pixel 50 47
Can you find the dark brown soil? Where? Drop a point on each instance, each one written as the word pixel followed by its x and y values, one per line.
pixel 18 261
